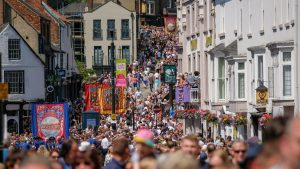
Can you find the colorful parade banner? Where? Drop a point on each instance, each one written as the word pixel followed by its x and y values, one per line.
pixel 121 72
pixel 183 94
pixel 50 120
pixel 91 97
pixel 170 24
pixel 105 97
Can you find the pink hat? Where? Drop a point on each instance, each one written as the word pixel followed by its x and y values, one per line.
pixel 144 136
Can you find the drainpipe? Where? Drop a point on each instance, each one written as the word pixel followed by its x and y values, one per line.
pixel 297 79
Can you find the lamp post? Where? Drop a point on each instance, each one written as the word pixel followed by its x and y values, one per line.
pixel 132 36
pixel 112 60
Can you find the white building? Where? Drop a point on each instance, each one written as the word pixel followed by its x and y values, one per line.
pixel 254 43
pixel 23 70
pixel 98 23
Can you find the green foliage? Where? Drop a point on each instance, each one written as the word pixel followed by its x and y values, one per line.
pixel 86 73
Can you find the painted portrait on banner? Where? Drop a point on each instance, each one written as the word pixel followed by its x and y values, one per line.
pixel 50 120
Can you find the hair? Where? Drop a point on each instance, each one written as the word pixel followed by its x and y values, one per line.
pixel 36 160
pixel 94 157
pixel 239 142
pixel 119 145
pixel 66 147
pixel 191 137
pixel 211 148
pixel 179 160
pixel 275 129
pixel 42 150
pixel 148 163
pixel 224 156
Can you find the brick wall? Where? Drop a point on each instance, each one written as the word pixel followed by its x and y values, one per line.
pixel 1 12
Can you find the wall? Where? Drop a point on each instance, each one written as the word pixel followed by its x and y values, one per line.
pixel 32 66
pixel 105 12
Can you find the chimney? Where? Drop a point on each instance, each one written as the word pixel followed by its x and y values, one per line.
pixel 90 4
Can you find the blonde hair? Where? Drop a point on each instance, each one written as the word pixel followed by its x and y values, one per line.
pixel 43 151
pixel 180 160
pixel 148 163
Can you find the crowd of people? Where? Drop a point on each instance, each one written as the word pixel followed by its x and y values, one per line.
pixel 142 139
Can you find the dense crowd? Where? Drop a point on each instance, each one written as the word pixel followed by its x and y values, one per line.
pixel 142 139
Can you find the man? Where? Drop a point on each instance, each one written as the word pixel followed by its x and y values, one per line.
pixel 238 152
pixel 120 153
pixel 151 81
pixel 290 145
pixel 189 145
pixel 68 153
pixel 105 144
pixel 36 162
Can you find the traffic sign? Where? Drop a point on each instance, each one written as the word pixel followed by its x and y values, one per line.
pixel 156 109
pixel 3 91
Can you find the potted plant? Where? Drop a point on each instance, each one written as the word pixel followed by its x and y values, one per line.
pixel 226 119
pixel 265 119
pixel 240 119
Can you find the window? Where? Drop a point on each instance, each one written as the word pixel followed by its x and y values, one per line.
pixel 125 29
pixel 97 29
pixel 194 63
pixel 221 78
pixel 241 80
pixel 109 54
pixel 14 52
pixel 111 27
pixel 194 95
pixel 98 56
pixel 151 8
pixel 287 73
pixel 126 53
pixel 260 70
pixel 15 80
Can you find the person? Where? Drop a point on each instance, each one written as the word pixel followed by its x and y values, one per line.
pixel 88 159
pixel 68 154
pixel 289 146
pixel 105 144
pixel 42 150
pixel 120 152
pixel 144 140
pixel 220 159
pixel 151 81
pixel 35 162
pixel 54 154
pixel 108 156
pixel 189 145
pixel 179 160
pixel 238 152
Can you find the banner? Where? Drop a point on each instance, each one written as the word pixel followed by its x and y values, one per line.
pixel 170 24
pixel 170 74
pixel 105 97
pixel 91 97
pixel 183 94
pixel 121 72
pixel 50 120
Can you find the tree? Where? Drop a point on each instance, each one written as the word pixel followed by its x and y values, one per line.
pixel 86 73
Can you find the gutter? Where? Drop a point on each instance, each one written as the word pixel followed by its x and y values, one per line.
pixel 297 61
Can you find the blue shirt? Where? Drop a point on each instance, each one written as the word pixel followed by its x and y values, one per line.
pixel 114 164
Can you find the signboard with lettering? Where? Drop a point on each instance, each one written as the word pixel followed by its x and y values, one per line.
pixel 170 73
pixel 121 72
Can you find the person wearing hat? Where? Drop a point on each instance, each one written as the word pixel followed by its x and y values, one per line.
pixel 144 140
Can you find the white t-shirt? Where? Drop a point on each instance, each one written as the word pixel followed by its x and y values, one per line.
pixel 105 143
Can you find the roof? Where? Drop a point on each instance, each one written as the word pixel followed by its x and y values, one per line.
pixel 2 28
pixel 107 3
pixel 76 7
pixel 54 13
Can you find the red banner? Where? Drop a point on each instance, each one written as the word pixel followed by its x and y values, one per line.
pixel 91 97
pixel 170 23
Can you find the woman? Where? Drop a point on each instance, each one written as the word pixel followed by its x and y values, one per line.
pixel 220 159
pixel 54 154
pixel 89 159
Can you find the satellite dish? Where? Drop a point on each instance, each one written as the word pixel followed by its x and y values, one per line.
pixel 50 88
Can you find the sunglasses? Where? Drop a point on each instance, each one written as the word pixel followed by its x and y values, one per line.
pixel 240 151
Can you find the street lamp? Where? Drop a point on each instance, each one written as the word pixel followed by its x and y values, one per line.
pixel 112 51
pixel 132 36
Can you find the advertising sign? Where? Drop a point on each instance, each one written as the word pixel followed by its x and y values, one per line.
pixel 170 72
pixel 50 120
pixel 121 72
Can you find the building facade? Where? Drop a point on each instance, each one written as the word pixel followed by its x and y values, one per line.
pixel 23 70
pixel 98 25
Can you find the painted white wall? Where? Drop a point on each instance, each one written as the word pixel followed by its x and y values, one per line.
pixel 29 63
pixel 114 11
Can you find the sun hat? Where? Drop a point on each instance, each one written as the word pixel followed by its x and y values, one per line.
pixel 144 136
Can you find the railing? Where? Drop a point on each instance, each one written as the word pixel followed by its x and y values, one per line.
pixel 125 33
pixel 109 36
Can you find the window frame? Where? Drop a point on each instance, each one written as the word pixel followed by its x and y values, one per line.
pixel 223 79
pixel 239 72
pixel 13 52
pixel 99 59
pixel 285 64
pixel 124 30
pixel 99 31
pixel 6 72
